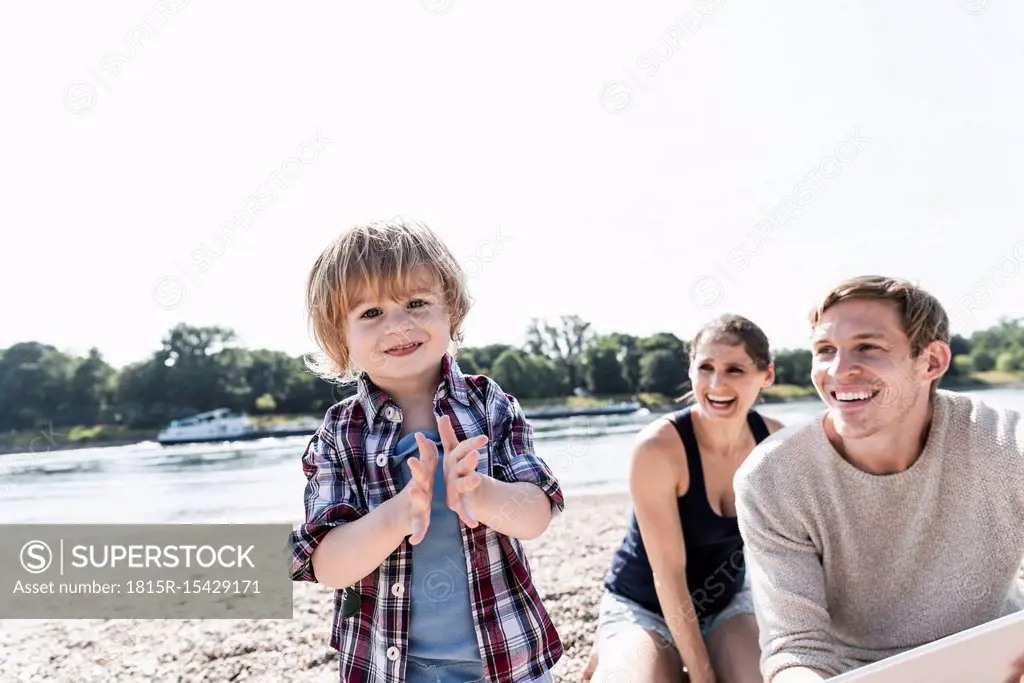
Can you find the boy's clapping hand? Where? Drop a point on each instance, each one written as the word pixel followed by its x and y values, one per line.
pixel 460 476
pixel 420 489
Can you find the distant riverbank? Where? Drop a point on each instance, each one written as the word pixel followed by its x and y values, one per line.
pixel 66 438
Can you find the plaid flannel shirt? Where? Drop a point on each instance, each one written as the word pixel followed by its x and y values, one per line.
pixel 348 476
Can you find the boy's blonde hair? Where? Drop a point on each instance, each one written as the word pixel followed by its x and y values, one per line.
pixel 381 255
pixel 922 316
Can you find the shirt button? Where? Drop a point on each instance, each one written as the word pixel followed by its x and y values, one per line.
pixel 392 653
pixel 391 413
pixel 398 590
pixel 382 460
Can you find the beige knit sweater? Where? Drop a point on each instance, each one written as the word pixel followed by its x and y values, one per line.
pixel 848 567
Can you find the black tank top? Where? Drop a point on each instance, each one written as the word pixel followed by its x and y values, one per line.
pixel 714 549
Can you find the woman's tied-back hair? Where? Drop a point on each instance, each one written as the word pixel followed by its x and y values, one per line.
pixel 381 255
pixel 922 317
pixel 734 329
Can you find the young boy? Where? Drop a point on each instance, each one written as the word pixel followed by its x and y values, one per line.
pixel 420 486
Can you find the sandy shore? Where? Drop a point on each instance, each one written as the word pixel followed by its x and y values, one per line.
pixel 568 562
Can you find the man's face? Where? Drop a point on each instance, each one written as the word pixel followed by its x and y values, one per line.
pixel 863 370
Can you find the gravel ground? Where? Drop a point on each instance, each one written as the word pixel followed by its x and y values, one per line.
pixel 296 650
pixel 568 562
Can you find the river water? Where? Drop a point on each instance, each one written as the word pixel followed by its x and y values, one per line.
pixel 262 481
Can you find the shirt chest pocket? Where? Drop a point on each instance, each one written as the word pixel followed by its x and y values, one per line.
pixel 383 478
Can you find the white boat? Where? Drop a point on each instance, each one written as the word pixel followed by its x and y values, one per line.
pixel 224 425
pixel 214 425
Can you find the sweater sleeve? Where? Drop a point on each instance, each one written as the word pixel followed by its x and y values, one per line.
pixel 1018 453
pixel 787 580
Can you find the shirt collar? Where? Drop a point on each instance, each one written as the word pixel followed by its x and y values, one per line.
pixel 374 400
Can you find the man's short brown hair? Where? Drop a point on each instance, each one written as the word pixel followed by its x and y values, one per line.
pixel 922 317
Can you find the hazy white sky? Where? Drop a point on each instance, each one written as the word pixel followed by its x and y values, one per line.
pixel 644 165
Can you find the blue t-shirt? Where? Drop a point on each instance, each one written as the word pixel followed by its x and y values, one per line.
pixel 441 627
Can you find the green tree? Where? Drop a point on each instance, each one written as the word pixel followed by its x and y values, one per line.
pixel 982 360
pixel 959 345
pixel 206 370
pixel 963 365
pixel 141 398
pixel 308 393
pixel 562 343
pixel 663 372
pixel 468 363
pixel 1010 360
pixel 527 376
pixel 512 372
pixel 34 381
pixel 603 373
pixel 547 379
pixel 1007 333
pixel 665 341
pixel 265 403
pixel 271 373
pixel 232 367
pixel 628 354
pixel 482 357
pixel 793 366
pixel 199 368
pixel 91 390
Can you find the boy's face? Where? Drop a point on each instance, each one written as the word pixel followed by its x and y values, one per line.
pixel 863 369
pixel 400 339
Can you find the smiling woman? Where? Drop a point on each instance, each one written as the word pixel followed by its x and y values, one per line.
pixel 676 593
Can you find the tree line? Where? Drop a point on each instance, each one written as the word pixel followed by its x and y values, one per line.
pixel 202 368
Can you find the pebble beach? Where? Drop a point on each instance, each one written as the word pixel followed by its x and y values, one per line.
pixel 568 563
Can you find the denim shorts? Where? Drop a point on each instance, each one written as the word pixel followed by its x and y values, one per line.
pixel 618 614
pixel 433 671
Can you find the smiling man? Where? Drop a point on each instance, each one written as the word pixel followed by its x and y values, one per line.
pixel 894 518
